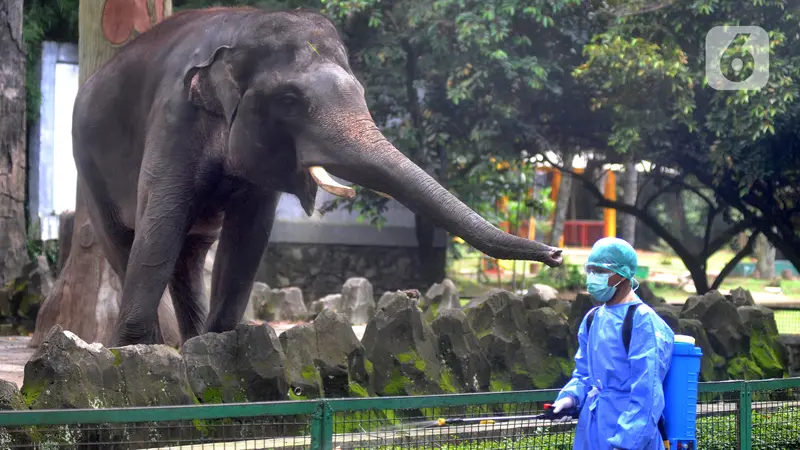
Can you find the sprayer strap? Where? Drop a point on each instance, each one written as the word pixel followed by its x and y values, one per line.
pixel 627 324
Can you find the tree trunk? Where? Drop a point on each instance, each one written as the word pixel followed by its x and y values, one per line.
pixel 86 296
pixel 562 206
pixel 630 189
pixel 13 249
pixel 66 226
pixel 765 258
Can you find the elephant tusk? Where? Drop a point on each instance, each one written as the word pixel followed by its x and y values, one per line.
pixel 324 180
pixel 382 194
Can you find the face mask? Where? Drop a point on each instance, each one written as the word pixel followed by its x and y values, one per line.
pixel 597 285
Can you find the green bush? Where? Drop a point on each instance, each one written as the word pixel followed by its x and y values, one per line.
pixel 774 430
pixel 567 277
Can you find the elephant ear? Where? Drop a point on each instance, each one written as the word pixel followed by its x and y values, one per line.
pixel 209 84
pixel 305 189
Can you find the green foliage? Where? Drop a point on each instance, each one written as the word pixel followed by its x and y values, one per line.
pixel 567 277
pixel 37 247
pixel 450 81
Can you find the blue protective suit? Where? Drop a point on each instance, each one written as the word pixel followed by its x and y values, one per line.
pixel 620 395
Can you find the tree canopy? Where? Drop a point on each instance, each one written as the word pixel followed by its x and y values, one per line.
pixel 471 90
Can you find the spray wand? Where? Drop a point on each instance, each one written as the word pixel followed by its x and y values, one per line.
pixel 548 415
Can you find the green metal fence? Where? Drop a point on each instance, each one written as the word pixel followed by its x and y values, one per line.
pixel 747 415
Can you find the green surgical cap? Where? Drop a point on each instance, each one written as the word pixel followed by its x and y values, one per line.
pixel 614 254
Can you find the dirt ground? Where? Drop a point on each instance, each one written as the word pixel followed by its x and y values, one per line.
pixel 14 351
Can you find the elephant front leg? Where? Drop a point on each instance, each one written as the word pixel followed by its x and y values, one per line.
pixel 245 233
pixel 160 233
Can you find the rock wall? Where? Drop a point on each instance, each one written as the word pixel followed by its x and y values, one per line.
pixel 792 343
pixel 318 269
pixel 413 345
pixel 20 298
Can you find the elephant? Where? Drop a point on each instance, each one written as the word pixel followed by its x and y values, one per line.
pixel 190 133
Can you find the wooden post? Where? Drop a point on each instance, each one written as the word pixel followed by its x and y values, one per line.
pixel 86 296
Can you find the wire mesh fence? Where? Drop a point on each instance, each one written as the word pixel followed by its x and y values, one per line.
pixel 486 422
pixel 788 320
pixel 251 426
pixel 745 415
pixel 775 415
pixel 719 416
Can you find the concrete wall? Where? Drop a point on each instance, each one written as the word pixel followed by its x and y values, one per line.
pixel 318 254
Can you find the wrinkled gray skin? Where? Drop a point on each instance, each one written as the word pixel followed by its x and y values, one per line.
pixel 191 132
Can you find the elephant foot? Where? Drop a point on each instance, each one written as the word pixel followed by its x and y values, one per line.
pixel 133 334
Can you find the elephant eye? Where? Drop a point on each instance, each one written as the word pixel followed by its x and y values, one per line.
pixel 289 101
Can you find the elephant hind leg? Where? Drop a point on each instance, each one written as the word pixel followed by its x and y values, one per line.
pixel 187 288
pixel 114 237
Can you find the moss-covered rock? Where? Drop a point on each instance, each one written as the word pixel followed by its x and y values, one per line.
pixel 743 368
pixel 712 365
pixel 260 297
pixel 766 348
pixel 546 325
pixel 646 294
pixel 10 397
pixel 21 297
pixel 357 302
pixel 325 359
pixel 670 314
pixel 403 350
pixel 66 372
pixel 440 296
pixel 332 302
pixel 461 352
pixel 580 307
pixel 726 332
pixel 11 400
pixel 522 353
pixel 244 364
pixel 153 375
pixel 742 297
pixel 281 304
pixel 299 344
pixel 539 296
pixel 562 307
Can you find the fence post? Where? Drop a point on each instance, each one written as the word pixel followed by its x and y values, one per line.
pixel 326 431
pixel 316 427
pixel 745 417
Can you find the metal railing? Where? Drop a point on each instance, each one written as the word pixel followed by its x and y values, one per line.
pixel 746 415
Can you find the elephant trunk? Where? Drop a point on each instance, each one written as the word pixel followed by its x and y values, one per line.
pixel 376 164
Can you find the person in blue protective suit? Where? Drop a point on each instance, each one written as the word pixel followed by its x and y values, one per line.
pixel 619 394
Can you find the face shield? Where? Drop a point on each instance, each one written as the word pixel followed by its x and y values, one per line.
pixel 613 255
